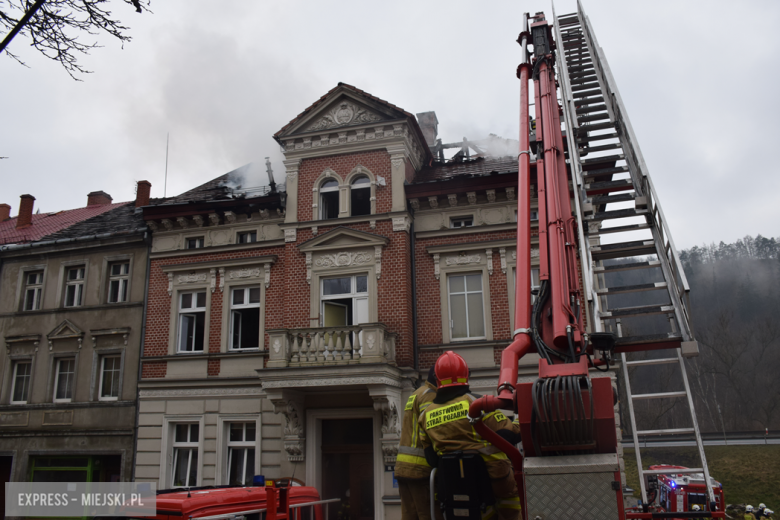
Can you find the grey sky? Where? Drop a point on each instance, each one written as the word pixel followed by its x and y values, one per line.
pixel 223 76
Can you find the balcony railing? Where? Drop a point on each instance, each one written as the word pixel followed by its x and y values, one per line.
pixel 347 345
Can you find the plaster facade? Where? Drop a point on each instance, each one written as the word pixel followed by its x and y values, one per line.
pixel 71 361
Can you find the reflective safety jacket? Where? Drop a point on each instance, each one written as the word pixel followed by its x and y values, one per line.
pixel 411 462
pixel 446 427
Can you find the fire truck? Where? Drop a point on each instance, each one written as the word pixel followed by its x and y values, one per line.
pixel 680 492
pixel 599 215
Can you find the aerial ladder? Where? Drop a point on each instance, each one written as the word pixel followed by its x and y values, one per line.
pixel 598 215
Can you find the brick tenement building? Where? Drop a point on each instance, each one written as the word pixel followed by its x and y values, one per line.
pixel 286 327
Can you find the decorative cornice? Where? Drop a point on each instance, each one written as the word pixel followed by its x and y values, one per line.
pixel 246 272
pixel 335 381
pixel 200 392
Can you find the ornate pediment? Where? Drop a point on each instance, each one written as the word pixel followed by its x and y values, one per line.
pixel 65 330
pixel 343 113
pixel 344 106
pixel 342 238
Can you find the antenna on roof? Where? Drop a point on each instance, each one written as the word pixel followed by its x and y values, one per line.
pixel 165 186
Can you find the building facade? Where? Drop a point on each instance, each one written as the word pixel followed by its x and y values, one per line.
pixel 286 328
pixel 71 316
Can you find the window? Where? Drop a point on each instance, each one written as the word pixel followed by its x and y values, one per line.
pixel 534 216
pixel 21 382
pixel 461 222
pixel 64 379
pixel 467 314
pixel 185 455
pixel 109 378
pixel 245 318
pixel 329 200
pixel 247 237
pixel 534 282
pixel 76 468
pixel 74 286
pixel 118 279
pixel 360 196
pixel 344 301
pixel 192 318
pixel 32 291
pixel 195 243
pixel 241 453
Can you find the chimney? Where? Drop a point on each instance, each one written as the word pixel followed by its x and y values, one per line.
pixel 5 212
pixel 142 193
pixel 24 218
pixel 98 197
pixel 429 126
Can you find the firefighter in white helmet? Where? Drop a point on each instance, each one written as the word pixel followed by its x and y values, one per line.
pixel 449 430
pixel 768 513
pixel 749 513
pixel 760 512
pixel 411 469
pixel 696 507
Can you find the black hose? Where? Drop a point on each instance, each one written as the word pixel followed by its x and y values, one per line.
pixel 570 337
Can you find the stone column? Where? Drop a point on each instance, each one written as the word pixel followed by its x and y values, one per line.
pixel 398 177
pixel 292 165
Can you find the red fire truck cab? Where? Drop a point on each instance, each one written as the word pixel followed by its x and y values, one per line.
pixel 248 502
pixel 678 492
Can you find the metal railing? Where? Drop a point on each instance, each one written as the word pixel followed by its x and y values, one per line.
pixel 295 512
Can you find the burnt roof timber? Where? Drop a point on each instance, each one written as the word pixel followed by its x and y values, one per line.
pixel 186 209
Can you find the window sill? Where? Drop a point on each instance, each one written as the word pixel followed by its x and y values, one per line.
pixel 73 309
pixel 70 405
pixel 207 355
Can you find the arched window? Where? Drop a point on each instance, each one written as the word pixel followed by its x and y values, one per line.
pixel 329 199
pixel 360 196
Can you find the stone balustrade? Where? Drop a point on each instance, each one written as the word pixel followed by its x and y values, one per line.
pixel 347 345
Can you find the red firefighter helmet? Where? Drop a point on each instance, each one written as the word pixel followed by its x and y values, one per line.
pixel 451 370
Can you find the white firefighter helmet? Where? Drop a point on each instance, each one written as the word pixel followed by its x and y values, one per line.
pixel 762 505
pixel 748 509
pixel 696 507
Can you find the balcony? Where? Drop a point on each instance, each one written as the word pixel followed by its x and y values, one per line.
pixel 322 346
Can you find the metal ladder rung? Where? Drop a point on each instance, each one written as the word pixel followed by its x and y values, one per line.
pixel 659 395
pixel 601 148
pixel 595 117
pixel 600 126
pixel 632 288
pixel 618 213
pixel 608 186
pixel 639 310
pixel 626 267
pixel 589 109
pixel 676 471
pixel 601 137
pixel 620 229
pixel 649 362
pixel 609 199
pixel 606 158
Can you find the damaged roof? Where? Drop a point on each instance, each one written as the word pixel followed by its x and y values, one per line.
pixel 478 167
pixel 122 220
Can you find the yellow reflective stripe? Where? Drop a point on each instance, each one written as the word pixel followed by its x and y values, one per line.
pixel 412 459
pixel 495 456
pixel 446 414
pixel 410 402
pixel 497 414
pixel 509 503
pixel 489 513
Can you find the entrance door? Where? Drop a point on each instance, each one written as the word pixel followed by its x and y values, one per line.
pixel 5 475
pixel 348 466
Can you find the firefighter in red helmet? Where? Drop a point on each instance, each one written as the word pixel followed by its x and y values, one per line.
pixel 446 428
